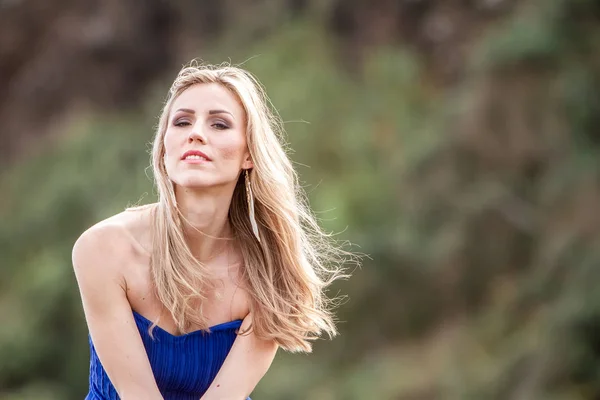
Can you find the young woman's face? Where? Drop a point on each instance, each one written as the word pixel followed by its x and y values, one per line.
pixel 205 141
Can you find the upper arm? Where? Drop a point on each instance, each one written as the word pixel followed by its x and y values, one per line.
pixel 98 258
pixel 247 362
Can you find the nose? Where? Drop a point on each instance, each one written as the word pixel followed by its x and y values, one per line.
pixel 196 134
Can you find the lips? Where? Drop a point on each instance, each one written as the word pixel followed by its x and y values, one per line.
pixel 195 155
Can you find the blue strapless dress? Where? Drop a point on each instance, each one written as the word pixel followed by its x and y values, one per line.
pixel 184 366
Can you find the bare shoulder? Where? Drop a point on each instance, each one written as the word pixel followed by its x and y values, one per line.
pixel 114 241
pixel 102 255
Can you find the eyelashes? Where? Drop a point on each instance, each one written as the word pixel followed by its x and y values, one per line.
pixel 218 125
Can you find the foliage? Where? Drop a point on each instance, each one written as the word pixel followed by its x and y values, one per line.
pixel 476 204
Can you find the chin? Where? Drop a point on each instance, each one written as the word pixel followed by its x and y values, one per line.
pixel 192 183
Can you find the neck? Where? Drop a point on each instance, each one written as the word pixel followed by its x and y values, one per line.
pixel 206 224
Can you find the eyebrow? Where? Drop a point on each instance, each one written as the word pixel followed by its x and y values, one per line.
pixel 210 112
pixel 213 112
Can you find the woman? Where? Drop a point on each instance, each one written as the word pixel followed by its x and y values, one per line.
pixel 190 297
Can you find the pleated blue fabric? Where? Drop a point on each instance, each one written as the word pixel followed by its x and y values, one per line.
pixel 184 366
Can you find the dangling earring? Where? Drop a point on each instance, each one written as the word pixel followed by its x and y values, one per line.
pixel 250 199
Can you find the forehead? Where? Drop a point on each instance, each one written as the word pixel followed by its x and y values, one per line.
pixel 209 96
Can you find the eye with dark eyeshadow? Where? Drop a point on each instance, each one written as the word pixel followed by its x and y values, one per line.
pixel 181 122
pixel 220 125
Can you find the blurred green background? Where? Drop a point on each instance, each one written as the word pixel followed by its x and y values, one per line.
pixel 455 141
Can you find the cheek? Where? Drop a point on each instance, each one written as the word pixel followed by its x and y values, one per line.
pixel 167 142
pixel 170 147
pixel 230 153
pixel 170 155
pixel 232 150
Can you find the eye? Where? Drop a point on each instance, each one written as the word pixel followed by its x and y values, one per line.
pixel 220 126
pixel 181 123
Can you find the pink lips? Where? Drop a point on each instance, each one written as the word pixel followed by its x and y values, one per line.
pixel 196 159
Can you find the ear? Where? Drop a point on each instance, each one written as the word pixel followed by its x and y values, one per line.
pixel 247 164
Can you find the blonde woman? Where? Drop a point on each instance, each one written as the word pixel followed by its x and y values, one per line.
pixel 190 297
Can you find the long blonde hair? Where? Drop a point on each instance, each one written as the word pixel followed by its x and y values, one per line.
pixel 287 271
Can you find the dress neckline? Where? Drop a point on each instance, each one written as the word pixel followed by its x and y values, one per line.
pixel 235 324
